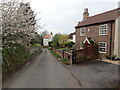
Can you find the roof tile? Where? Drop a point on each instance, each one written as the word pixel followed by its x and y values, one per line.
pixel 99 18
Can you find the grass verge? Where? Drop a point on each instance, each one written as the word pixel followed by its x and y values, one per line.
pixel 55 54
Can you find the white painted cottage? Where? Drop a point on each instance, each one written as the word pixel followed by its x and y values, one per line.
pixel 47 39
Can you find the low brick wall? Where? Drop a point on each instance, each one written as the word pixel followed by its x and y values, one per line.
pixel 61 53
pixel 68 55
pixel 64 54
pixel 78 56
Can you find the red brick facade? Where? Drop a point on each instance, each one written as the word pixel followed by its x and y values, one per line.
pixel 93 32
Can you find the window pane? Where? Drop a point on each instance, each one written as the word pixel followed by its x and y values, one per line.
pixel 103 29
pixel 102 49
pixel 102 44
pixel 82 31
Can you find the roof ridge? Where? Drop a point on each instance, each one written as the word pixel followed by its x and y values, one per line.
pixel 99 18
pixel 103 12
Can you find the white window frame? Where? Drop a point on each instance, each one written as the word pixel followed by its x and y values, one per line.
pixel 103 29
pixel 81 30
pixel 103 47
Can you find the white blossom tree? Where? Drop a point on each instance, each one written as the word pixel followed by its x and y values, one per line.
pixel 18 23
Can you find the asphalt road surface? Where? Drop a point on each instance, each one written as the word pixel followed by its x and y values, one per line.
pixel 43 72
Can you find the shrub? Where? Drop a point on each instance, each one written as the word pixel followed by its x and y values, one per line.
pixel 113 57
pixel 108 56
pixel 13 57
pixel 69 44
pixel 65 61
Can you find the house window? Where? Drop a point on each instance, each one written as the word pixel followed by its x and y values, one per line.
pixel 82 32
pixel 103 29
pixel 102 47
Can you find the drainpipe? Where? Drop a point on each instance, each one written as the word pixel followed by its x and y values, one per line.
pixel 110 40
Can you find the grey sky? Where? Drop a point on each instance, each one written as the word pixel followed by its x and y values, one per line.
pixel 61 16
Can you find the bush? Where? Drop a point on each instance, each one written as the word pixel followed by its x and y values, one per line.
pixel 13 57
pixel 108 56
pixel 69 44
pixel 65 61
pixel 111 57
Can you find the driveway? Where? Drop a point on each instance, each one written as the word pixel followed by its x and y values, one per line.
pixel 43 72
pixel 95 74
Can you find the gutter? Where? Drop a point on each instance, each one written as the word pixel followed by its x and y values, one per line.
pixel 94 24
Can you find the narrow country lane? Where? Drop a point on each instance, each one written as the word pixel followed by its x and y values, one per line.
pixel 43 72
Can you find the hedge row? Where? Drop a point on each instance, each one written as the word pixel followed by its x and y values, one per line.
pixel 13 57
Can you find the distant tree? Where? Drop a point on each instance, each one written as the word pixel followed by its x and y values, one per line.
pixel 41 39
pixel 55 41
pixel 63 39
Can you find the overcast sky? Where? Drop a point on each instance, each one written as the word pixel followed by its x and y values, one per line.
pixel 61 16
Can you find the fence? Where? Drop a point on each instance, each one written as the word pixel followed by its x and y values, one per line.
pixel 78 56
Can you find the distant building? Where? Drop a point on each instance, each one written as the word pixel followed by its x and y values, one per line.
pixel 72 37
pixel 103 28
pixel 47 39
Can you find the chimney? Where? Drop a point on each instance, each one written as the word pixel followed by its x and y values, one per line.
pixel 85 14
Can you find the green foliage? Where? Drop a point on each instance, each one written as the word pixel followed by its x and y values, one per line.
pixel 107 56
pixel 41 39
pixel 55 41
pixel 36 45
pixel 82 45
pixel 13 57
pixel 55 54
pixel 65 49
pixel 63 39
pixel 54 44
pixel 69 44
pixel 111 57
pixel 65 61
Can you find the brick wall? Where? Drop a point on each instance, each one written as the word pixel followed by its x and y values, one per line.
pixel 94 33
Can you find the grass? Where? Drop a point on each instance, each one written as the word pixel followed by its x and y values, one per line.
pixel 36 45
pixel 65 61
pixel 55 54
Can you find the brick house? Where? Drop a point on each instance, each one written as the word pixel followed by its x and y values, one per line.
pixel 103 28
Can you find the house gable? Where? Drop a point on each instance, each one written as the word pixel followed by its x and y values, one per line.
pixel 92 24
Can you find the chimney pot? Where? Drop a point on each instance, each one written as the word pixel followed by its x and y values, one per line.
pixel 86 10
pixel 85 14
